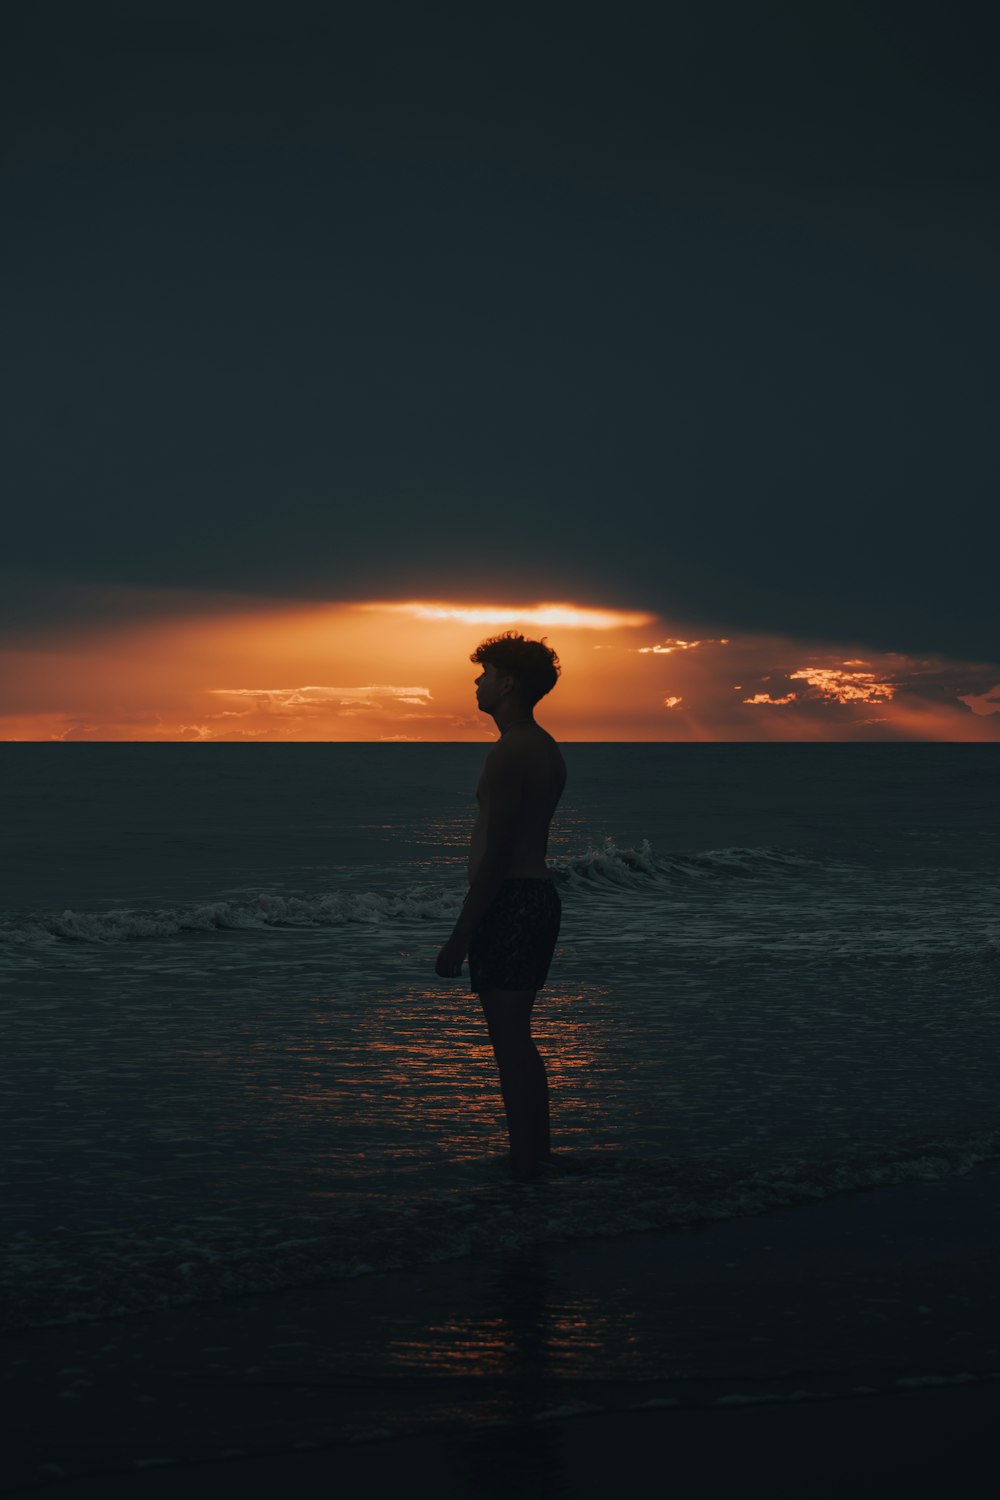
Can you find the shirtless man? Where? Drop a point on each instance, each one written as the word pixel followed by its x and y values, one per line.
pixel 510 920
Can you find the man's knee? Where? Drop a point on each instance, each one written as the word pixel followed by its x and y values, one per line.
pixel 508 1012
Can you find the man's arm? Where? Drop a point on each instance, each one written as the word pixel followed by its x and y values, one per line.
pixel 502 791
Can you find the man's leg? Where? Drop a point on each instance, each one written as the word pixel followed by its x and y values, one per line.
pixel 523 1080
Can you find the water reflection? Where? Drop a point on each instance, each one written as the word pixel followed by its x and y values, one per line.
pixel 528 1347
pixel 405 1085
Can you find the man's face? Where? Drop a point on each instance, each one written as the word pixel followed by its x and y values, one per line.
pixel 491 686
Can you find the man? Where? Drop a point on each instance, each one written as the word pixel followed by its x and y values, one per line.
pixel 510 920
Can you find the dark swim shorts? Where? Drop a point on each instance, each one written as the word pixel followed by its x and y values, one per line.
pixel 512 947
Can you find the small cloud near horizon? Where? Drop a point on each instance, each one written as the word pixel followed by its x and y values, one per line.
pixel 670 645
pixel 983 704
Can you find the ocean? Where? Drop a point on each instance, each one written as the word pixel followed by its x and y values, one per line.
pixel 229 1066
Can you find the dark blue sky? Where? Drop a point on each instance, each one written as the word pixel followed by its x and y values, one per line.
pixel 686 307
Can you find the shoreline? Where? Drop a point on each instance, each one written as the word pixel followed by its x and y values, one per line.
pixel 788 1332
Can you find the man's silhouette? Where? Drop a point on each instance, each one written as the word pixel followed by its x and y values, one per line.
pixel 510 920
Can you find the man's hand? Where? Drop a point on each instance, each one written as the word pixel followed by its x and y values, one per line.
pixel 449 960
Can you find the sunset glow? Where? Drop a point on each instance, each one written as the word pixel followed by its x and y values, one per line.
pixel 501 616
pixel 180 668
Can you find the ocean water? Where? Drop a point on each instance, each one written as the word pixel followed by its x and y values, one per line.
pixel 229 1066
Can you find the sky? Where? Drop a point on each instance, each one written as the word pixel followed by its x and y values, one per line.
pixel 340 338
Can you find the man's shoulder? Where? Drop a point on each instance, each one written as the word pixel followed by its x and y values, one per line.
pixel 503 753
pixel 521 747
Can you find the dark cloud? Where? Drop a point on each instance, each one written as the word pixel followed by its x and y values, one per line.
pixel 690 308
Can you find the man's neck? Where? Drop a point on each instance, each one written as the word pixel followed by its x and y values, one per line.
pixel 513 717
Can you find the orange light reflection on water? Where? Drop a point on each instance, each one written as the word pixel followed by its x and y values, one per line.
pixel 411 1080
pixel 531 1334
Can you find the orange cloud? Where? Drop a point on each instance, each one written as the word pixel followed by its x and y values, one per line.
pixel 844 686
pixel 317 697
pixel 667 647
pixel 983 703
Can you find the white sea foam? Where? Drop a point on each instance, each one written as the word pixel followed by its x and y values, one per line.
pixel 606 869
pixel 127 924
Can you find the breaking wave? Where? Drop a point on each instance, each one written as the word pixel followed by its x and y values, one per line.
pixel 607 866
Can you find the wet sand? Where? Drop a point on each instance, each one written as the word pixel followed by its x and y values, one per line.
pixel 841 1343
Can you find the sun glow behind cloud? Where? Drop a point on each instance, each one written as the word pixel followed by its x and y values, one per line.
pixel 400 671
pixel 499 617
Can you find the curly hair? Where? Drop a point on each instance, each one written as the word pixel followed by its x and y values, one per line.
pixel 533 665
